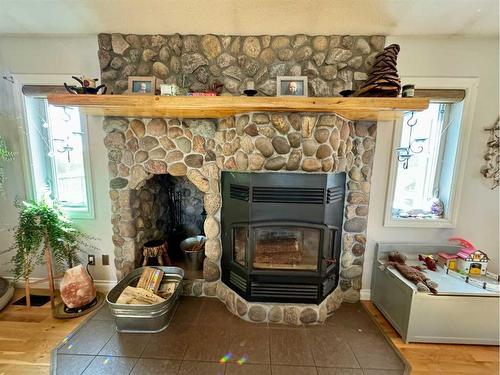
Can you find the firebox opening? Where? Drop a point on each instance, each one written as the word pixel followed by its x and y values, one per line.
pixel 172 210
pixel 281 234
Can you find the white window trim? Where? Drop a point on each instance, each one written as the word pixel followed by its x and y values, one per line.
pixel 470 85
pixel 27 158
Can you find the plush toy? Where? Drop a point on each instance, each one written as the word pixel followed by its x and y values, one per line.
pixel 429 261
pixel 398 261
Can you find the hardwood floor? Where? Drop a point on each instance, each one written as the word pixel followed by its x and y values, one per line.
pixel 27 337
pixel 440 358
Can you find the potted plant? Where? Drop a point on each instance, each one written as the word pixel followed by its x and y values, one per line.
pixel 45 235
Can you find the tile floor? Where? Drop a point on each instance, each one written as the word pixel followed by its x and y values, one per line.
pixel 203 331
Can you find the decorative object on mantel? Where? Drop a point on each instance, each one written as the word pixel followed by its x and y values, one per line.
pixel 408 91
pixel 169 89
pixel 215 90
pixel 157 249
pixel 5 155
pixel 398 260
pixel 383 80
pixel 291 86
pixel 250 89
pixel 45 235
pixel 88 86
pixel 141 85
pixel 414 145
pixel 491 168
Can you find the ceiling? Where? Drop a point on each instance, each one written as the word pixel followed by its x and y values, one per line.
pixel 245 17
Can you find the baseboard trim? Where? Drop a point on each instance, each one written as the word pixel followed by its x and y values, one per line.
pixel 103 286
pixel 365 294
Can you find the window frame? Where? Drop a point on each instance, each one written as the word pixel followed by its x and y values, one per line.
pixel 470 85
pixel 27 157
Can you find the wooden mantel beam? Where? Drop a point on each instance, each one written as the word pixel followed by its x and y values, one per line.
pixel 354 108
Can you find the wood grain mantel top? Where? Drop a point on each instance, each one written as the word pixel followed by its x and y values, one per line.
pixel 353 108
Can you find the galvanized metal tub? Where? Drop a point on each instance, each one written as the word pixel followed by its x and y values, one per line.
pixel 145 318
pixel 193 259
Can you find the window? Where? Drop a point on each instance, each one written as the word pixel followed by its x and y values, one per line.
pixel 58 155
pixel 424 192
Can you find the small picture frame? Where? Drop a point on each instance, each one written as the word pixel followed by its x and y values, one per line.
pixel 291 86
pixel 141 85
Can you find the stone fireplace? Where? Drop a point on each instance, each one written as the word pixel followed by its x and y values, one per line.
pixel 147 157
pixel 142 153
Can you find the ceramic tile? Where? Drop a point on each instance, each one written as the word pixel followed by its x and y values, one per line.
pixel 104 313
pixel 156 367
pixel 172 343
pixel 290 347
pixel 126 345
pixel 214 313
pixel 188 310
pixel 251 345
pixel 329 350
pixel 374 352
pixel 72 364
pixel 293 370
pixel 207 343
pixel 110 366
pixel 90 338
pixel 339 371
pixel 201 368
pixel 247 369
pixel 383 372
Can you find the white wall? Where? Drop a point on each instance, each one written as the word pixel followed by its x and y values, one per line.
pixel 53 55
pixel 423 56
pixel 478 205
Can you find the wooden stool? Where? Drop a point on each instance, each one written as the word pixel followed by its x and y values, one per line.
pixel 156 249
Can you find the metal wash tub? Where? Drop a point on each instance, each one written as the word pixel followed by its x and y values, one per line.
pixel 145 318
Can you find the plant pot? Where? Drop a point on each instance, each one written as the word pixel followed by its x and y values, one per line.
pixel 193 250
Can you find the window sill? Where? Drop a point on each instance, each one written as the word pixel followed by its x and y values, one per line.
pixel 419 223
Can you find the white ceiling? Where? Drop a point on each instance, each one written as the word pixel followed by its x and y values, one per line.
pixel 386 17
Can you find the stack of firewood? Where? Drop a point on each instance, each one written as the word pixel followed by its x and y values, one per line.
pixel 150 289
pixel 285 251
pixel 383 80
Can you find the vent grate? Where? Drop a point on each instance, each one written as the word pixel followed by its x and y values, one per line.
pixel 239 192
pixel 238 281
pixel 334 194
pixel 288 195
pixel 284 290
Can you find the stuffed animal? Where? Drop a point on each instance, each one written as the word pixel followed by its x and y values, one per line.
pixel 398 261
pixel 429 262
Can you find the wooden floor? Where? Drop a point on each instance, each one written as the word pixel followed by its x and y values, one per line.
pixel 27 337
pixel 440 358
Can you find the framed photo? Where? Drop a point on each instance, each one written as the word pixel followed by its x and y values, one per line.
pixel 141 85
pixel 291 86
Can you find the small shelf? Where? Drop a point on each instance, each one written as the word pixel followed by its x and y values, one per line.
pixel 377 109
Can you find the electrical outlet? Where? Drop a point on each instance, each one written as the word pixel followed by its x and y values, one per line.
pixel 105 260
pixel 91 260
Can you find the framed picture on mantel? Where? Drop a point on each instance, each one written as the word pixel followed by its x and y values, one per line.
pixel 291 86
pixel 141 85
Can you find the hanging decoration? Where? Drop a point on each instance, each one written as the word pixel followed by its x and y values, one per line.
pixel 490 169
pixel 414 145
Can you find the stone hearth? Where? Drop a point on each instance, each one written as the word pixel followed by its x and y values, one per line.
pixel 200 150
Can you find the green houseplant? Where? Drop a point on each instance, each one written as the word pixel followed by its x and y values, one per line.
pixel 45 235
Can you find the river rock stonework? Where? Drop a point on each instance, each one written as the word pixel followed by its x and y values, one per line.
pixel 332 63
pixel 142 152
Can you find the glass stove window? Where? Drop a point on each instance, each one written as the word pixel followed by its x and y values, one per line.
pixel 240 245
pixel 293 248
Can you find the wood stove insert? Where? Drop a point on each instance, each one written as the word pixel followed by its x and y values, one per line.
pixel 281 234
